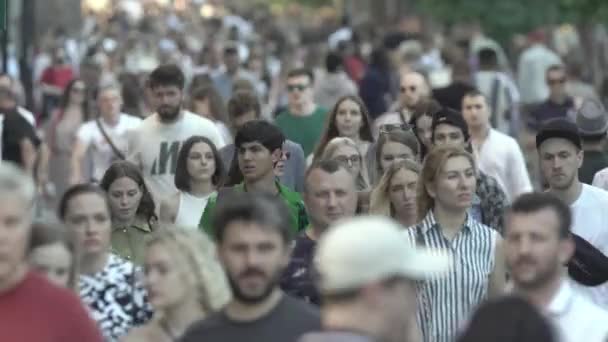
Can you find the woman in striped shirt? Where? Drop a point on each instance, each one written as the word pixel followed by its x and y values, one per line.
pixel 445 193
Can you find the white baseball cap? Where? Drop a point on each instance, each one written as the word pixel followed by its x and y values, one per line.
pixel 367 249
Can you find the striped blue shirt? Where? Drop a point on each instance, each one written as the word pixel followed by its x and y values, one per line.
pixel 445 303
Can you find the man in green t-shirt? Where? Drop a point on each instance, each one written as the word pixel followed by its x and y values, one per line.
pixel 259 147
pixel 303 121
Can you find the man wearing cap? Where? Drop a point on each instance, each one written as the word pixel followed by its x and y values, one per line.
pixel 367 271
pixel 330 194
pixel 449 128
pixel 592 122
pixel 560 154
pixel 498 154
pixel 538 243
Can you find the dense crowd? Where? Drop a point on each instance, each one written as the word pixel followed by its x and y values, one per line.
pixel 248 196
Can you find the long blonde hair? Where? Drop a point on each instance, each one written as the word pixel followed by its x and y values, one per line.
pixel 197 253
pixel 380 203
pixel 433 164
pixel 330 151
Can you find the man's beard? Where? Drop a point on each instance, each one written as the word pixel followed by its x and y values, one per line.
pixel 543 275
pixel 565 185
pixel 273 282
pixel 169 113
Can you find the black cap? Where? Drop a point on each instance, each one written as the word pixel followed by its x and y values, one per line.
pixel 588 266
pixel 450 117
pixel 559 128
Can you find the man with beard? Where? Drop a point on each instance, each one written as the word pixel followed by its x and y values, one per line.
pixel 537 244
pixel 330 194
pixel 155 144
pixel 561 155
pixel 253 236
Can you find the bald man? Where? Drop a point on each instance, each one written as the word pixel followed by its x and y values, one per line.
pixel 413 87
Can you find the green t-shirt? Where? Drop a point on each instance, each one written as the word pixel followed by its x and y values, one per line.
pixel 304 130
pixel 292 199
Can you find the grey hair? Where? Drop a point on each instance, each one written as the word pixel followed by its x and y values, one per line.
pixel 15 182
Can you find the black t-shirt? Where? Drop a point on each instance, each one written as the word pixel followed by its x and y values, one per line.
pixel 289 320
pixel 14 129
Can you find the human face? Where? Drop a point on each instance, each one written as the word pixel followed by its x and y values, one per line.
pixel 201 107
pixel 124 195
pixel 55 261
pixel 201 162
pixel 559 162
pixel 556 80
pixel 330 197
pixel 15 221
pixel 349 157
pixel 349 119
pixel 475 111
pixel 255 161
pixel 240 121
pixel 279 167
pixel 393 152
pixel 299 91
pixel 402 191
pixel 534 251
pixel 424 130
pixel 412 88
pixel 232 61
pixel 165 280
pixel 88 217
pixel 109 102
pixel 78 92
pixel 168 101
pixel 448 135
pixel 455 184
pixel 254 258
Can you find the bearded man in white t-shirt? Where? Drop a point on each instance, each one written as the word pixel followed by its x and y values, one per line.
pixel 154 146
pixel 104 138
pixel 561 155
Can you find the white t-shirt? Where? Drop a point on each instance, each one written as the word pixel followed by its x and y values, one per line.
pixel 500 157
pixel 155 145
pixel 101 152
pixel 590 216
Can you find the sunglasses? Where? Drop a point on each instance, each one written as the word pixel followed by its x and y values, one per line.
pixel 556 81
pixel 394 128
pixel 296 87
pixel 412 89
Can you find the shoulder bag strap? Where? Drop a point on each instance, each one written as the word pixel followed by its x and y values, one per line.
pixel 115 149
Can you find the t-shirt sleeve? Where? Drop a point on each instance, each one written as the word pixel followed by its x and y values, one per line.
pixel 85 134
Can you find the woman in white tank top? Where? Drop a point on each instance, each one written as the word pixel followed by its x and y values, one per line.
pixel 198 174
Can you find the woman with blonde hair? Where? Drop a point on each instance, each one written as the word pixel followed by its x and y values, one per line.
pixel 392 147
pixel 185 283
pixel 345 151
pixel 395 194
pixel 445 194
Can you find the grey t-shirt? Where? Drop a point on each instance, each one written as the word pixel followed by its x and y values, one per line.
pixel 289 320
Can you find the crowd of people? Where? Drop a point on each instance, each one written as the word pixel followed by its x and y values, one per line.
pixel 366 202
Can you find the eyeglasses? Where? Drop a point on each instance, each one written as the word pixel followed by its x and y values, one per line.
pixel 412 89
pixel 296 87
pixel 387 128
pixel 351 160
pixel 557 81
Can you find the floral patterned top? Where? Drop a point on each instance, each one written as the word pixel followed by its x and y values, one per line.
pixel 115 298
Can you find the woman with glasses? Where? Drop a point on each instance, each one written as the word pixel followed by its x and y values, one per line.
pixel 393 146
pixel 395 194
pixel 349 119
pixel 109 286
pixel 346 151
pixel 61 132
pixel 185 283
pixel 132 209
pixel 198 175
pixel 445 194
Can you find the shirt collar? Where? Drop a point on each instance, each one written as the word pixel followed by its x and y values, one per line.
pixel 429 222
pixel 560 304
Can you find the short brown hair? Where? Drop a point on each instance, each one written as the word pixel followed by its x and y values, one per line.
pixel 243 102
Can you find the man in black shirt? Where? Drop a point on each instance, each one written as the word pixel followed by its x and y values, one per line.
pixel 19 139
pixel 252 231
